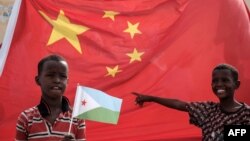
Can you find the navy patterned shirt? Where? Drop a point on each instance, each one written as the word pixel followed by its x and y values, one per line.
pixel 211 118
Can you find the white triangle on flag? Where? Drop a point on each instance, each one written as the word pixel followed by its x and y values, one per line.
pixel 90 103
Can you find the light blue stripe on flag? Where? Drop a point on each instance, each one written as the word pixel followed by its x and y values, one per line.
pixel 104 99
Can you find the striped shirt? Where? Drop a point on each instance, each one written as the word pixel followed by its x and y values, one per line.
pixel 211 118
pixel 32 125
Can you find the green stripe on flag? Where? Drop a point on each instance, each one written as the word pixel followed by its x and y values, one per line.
pixel 101 114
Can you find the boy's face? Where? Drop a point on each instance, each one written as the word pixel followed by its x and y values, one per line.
pixel 53 79
pixel 223 84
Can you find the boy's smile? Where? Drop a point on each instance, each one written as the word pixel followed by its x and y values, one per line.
pixel 221 92
pixel 56 89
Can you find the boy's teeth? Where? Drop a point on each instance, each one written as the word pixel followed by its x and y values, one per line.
pixel 220 91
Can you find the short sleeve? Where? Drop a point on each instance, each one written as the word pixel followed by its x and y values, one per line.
pixel 198 112
pixel 21 127
pixel 80 134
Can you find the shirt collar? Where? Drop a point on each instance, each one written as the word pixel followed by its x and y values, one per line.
pixel 44 109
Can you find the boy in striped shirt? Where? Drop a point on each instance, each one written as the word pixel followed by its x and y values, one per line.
pixel 50 119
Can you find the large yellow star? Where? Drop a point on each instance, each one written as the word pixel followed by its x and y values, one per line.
pixel 112 71
pixel 110 14
pixel 135 55
pixel 132 29
pixel 62 28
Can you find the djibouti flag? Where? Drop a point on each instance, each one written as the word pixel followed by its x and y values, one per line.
pixel 95 105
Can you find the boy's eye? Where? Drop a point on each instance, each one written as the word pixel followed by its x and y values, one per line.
pixel 60 75
pixel 50 75
pixel 63 76
pixel 215 80
pixel 225 80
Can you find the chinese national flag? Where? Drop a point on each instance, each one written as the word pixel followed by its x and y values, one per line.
pixel 166 48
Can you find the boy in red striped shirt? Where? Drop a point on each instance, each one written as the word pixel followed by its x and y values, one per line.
pixel 50 119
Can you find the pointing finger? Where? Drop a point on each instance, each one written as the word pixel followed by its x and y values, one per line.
pixel 135 93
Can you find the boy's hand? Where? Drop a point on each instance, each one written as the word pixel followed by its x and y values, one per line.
pixel 140 98
pixel 68 137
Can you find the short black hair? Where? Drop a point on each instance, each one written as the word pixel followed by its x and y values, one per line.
pixel 231 68
pixel 53 57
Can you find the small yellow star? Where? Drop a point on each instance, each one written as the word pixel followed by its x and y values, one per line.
pixel 110 14
pixel 132 29
pixel 113 71
pixel 135 55
pixel 62 28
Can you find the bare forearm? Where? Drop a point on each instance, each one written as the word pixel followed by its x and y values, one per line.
pixel 167 102
pixel 170 103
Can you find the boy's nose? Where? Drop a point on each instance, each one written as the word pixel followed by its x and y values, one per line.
pixel 219 83
pixel 56 79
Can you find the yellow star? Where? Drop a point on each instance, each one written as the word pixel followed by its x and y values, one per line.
pixel 110 14
pixel 132 29
pixel 135 55
pixel 62 28
pixel 113 71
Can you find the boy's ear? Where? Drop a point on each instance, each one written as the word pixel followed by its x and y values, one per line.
pixel 37 80
pixel 237 83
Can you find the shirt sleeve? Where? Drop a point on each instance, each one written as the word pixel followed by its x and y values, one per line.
pixel 21 127
pixel 198 112
pixel 80 134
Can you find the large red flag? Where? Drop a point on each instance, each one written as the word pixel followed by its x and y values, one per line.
pixel 166 48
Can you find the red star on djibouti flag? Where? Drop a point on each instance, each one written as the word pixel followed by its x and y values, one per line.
pixel 84 102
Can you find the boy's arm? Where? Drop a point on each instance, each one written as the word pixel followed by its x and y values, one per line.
pixel 170 103
pixel 21 128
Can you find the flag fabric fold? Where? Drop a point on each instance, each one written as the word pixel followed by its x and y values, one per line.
pixel 4 47
pixel 95 105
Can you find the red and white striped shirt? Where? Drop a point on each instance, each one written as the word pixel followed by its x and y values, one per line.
pixel 32 125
